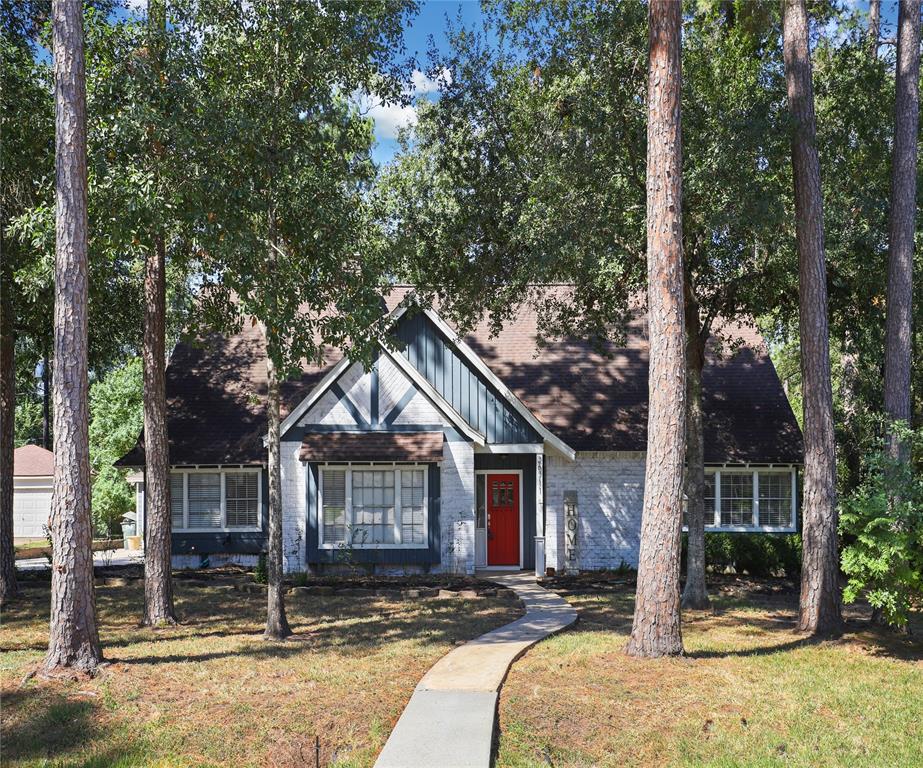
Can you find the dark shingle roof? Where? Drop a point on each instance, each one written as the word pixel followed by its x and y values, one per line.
pixel 592 401
pixel 424 447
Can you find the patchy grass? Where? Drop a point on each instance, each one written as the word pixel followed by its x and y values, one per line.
pixel 749 693
pixel 212 692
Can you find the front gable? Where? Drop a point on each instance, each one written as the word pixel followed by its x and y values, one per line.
pixel 425 378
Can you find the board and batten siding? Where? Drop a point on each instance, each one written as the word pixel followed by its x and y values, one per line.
pixel 469 393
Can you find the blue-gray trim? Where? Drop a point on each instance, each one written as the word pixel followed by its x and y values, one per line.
pixel 349 405
pixel 401 404
pixel 227 542
pixel 425 557
pixel 298 433
pixel 467 390
pixel 526 463
pixel 375 390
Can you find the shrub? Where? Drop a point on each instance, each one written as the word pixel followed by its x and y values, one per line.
pixel 757 554
pixel 260 574
pixel 882 521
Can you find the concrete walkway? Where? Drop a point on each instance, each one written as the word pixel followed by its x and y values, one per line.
pixel 449 721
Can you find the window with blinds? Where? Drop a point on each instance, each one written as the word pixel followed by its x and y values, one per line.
pixel 241 498
pixel 776 499
pixel 334 505
pixel 204 492
pixel 753 499
pixel 709 499
pixel 177 500
pixel 737 498
pixel 202 501
pixel 373 506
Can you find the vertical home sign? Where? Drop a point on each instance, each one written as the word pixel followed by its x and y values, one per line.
pixel 571 559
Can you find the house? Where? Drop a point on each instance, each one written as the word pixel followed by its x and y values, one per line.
pixel 33 480
pixel 452 454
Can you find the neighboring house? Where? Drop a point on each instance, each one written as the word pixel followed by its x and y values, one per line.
pixel 452 454
pixel 33 480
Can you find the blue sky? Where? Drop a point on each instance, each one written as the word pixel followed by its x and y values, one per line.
pixel 429 25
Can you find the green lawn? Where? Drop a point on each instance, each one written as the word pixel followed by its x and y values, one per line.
pixel 212 692
pixel 749 693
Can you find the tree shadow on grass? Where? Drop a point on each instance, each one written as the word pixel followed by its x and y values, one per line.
pixel 351 628
pixel 41 723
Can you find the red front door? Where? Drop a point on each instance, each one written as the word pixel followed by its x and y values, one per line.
pixel 503 519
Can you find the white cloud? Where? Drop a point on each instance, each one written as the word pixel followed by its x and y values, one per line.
pixel 423 83
pixel 391 118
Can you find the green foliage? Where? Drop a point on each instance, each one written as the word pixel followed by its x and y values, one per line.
pixel 530 169
pixel 116 417
pixel 757 554
pixel 28 421
pixel 284 162
pixel 883 523
pixel 260 574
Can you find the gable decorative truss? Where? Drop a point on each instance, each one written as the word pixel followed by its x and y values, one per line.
pixel 331 384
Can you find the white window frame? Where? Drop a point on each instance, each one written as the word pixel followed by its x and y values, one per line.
pixel 756 527
pixel 224 528
pixel 398 528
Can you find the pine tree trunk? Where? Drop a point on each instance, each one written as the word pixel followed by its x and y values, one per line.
pixel 74 638
pixel 874 31
pixel 695 593
pixel 656 628
pixel 898 331
pixel 820 592
pixel 8 586
pixel 277 627
pixel 158 579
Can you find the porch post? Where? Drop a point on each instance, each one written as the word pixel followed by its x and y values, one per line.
pixel 539 515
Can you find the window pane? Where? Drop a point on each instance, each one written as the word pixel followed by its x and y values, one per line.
pixel 176 499
pixel 709 499
pixel 204 500
pixel 413 522
pixel 241 497
pixel 775 499
pixel 736 498
pixel 373 507
pixel 333 493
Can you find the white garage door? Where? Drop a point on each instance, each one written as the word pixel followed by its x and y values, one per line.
pixel 31 508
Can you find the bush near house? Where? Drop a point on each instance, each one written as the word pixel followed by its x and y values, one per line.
pixel 759 554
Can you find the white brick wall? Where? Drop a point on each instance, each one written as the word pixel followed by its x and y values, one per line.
pixel 294 507
pixel 457 515
pixel 610 493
